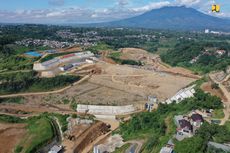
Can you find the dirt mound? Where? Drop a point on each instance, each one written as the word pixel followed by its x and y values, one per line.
pixel 136 54
pixel 217 92
pixel 90 135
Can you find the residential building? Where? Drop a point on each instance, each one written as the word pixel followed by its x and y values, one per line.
pixel 197 120
pixel 185 128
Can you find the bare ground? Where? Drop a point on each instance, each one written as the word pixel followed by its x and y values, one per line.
pixel 10 136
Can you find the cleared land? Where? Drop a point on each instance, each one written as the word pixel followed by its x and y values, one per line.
pixel 122 84
pixel 119 85
pixel 207 86
pixel 10 135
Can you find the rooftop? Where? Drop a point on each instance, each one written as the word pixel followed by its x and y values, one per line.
pixel 184 123
pixel 197 117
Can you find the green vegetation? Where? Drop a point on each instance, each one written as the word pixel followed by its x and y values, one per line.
pixel 10 119
pixel 207 132
pixel 30 82
pixel 115 54
pixel 18 100
pixel 122 149
pixel 101 46
pixel 51 56
pixel 218 114
pixel 157 127
pixel 215 86
pixel 73 104
pixel 116 57
pixel 62 120
pixel 40 131
pixel 126 61
pixel 207 60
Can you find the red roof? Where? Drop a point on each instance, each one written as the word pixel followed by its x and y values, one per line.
pixel 67 56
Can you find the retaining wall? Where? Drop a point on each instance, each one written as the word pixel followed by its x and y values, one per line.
pixel 105 110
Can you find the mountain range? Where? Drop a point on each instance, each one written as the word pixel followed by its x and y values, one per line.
pixel 172 18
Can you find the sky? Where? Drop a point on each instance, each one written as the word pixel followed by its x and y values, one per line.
pixel 91 11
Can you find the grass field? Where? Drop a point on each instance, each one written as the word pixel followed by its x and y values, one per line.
pixel 51 56
pixel 10 119
pixel 17 100
pixel 122 149
pixel 39 132
pixel 218 113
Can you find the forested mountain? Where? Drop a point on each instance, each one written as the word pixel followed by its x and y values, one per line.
pixel 175 18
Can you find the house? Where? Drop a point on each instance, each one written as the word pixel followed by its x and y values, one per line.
pixel 185 128
pixel 152 102
pixel 220 52
pixel 197 120
pixel 166 150
pixel 56 149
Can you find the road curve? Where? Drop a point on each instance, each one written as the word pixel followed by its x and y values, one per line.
pixel 45 93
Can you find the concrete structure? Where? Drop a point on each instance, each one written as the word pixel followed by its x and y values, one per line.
pixel 182 94
pixel 105 110
pixel 206 31
pixel 225 148
pixel 66 67
pixel 55 149
pixel 166 150
pixel 69 58
pixel 113 142
pixel 152 101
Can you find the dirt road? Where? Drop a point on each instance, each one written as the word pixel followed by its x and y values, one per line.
pixel 46 93
pixel 226 103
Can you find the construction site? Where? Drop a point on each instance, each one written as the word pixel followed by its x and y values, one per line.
pixel 107 90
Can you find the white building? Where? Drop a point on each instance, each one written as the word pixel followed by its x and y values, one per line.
pixel 53 63
pixel 182 94
pixel 206 31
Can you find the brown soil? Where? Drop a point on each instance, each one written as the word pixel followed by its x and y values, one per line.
pixel 217 92
pixel 10 136
pixel 90 135
pixel 154 61
pixel 70 49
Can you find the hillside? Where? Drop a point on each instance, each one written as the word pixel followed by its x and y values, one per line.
pixel 174 18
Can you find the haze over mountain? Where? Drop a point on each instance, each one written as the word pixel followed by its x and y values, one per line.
pixel 175 18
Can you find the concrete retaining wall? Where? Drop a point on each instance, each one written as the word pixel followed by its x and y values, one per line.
pixel 105 110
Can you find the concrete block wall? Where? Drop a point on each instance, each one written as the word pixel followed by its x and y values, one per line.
pixel 106 110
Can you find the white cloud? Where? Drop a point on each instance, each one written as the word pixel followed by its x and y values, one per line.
pixel 120 10
pixel 150 6
pixel 123 2
pixel 187 2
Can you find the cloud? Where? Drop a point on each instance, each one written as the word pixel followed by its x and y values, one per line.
pixel 123 2
pixel 120 10
pixel 57 2
pixel 150 6
pixel 187 2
